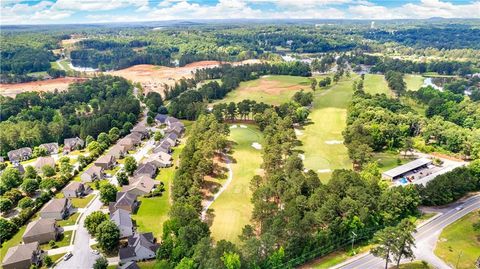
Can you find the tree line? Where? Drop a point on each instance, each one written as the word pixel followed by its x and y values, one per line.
pixel 87 108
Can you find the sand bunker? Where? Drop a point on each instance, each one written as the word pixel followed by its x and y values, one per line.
pixel 298 132
pixel 233 126
pixel 301 156
pixel 334 142
pixel 243 126
pixel 256 145
pixel 324 170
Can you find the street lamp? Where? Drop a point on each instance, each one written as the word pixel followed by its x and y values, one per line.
pixel 353 241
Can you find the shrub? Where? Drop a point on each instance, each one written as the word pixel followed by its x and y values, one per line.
pixel 26 202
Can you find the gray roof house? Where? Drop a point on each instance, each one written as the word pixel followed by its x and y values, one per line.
pixel 73 190
pixel 170 141
pixel 146 169
pixel 127 143
pixel 56 209
pixel 20 154
pixel 141 246
pixel 161 118
pixel 163 146
pixel 124 200
pixel 160 159
pixel 171 120
pixel 92 173
pixel 140 129
pixel 129 265
pixel 176 129
pixel 106 161
pixel 22 256
pixel 71 144
pixel 123 221
pixel 51 148
pixel 118 151
pixel 140 185
pixel 172 136
pixel 44 161
pixel 41 231
pixel 136 137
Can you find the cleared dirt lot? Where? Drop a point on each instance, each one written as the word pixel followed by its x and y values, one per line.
pixel 60 84
pixel 153 78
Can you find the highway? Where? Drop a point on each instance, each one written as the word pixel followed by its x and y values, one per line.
pixel 425 238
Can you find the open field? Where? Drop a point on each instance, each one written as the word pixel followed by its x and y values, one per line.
pixel 322 140
pixel 414 82
pixel 153 78
pixel 153 212
pixel 232 210
pixel 60 84
pixel 390 160
pixel 459 239
pixel 376 84
pixel 268 89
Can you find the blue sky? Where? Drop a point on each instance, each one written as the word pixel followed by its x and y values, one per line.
pixel 92 11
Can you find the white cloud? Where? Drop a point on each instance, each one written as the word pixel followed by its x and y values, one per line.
pixel 95 5
pixel 423 10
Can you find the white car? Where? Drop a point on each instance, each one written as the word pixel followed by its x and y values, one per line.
pixel 67 256
pixel 96 252
pixel 458 208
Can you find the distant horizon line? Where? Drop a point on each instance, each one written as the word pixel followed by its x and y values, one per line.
pixel 237 20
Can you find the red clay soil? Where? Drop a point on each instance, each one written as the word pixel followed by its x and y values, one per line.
pixel 50 85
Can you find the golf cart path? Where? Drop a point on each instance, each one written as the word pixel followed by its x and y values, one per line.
pixel 223 188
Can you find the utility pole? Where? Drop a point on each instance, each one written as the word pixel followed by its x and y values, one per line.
pixel 353 241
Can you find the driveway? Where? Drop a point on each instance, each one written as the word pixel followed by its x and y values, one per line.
pixel 425 238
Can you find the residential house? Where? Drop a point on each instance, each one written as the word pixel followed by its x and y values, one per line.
pixel 44 161
pixel 41 231
pixel 123 221
pixel 71 144
pixel 160 159
pixel 177 130
pixel 19 167
pixel 146 169
pixel 117 151
pixel 21 154
pixel 141 246
pixel 136 137
pixel 163 146
pixel 161 118
pixel 172 136
pixel 73 190
pixel 129 265
pixel 140 185
pixel 92 173
pixel 170 141
pixel 127 143
pixel 106 162
pixel 171 121
pixel 56 209
pixel 51 148
pixel 124 200
pixel 140 129
pixel 22 256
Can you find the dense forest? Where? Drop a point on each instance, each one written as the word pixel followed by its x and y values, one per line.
pixel 87 108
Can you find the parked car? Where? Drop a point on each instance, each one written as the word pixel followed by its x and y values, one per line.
pixel 67 256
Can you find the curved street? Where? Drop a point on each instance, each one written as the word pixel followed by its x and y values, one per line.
pixel 425 238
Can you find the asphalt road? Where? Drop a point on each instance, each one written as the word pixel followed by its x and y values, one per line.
pixel 425 238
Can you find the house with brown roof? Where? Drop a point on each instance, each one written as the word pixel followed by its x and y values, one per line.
pixel 124 200
pixel 74 189
pixel 106 162
pixel 136 137
pixel 171 121
pixel 140 185
pixel 51 148
pixel 93 173
pixel 146 169
pixel 21 154
pixel 22 256
pixel 41 231
pixel 163 146
pixel 71 144
pixel 117 151
pixel 44 161
pixel 141 246
pixel 56 209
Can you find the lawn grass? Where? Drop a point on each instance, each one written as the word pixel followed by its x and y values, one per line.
pixel 232 210
pixel 328 117
pixel 390 160
pixel 63 242
pixel 337 257
pixel 414 265
pixel 153 212
pixel 414 82
pixel 376 84
pixel 82 202
pixel 147 264
pixel 16 239
pixel 268 89
pixel 460 239
pixel 69 221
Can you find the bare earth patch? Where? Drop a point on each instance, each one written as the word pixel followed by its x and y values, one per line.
pixel 154 78
pixel 273 87
pixel 60 84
